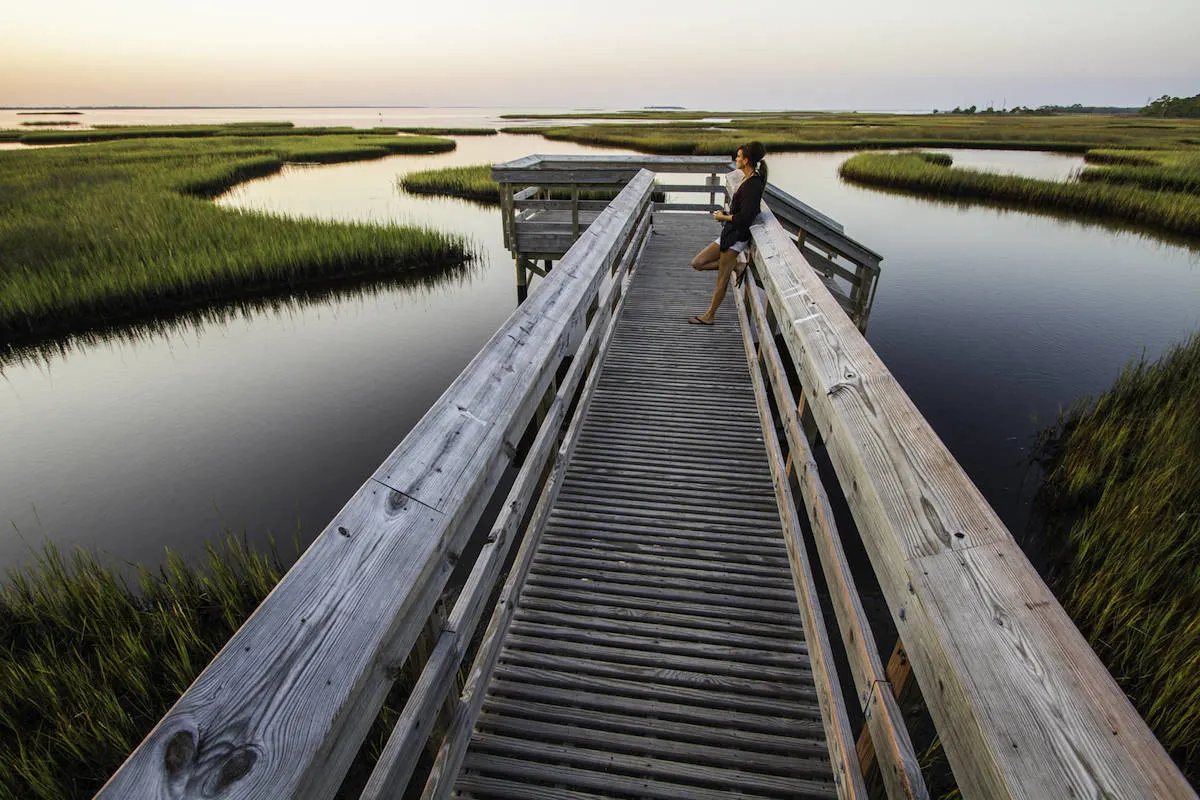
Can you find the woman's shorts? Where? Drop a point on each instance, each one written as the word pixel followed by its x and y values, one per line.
pixel 737 247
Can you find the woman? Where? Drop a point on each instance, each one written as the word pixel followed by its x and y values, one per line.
pixel 735 234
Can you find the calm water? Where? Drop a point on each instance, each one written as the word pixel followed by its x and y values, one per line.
pixel 268 419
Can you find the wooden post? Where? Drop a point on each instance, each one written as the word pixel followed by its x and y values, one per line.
pixel 418 658
pixel 575 209
pixel 522 278
pixel 908 696
pixel 507 215
pixel 712 180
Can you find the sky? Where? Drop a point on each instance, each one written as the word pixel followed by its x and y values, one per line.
pixel 769 54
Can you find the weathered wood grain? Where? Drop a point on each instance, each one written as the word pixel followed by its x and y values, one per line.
pixel 1024 707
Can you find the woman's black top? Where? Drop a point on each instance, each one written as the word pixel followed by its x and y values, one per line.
pixel 743 208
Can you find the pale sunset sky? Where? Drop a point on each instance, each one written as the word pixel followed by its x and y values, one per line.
pixel 870 54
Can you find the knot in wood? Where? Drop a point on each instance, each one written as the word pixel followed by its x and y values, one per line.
pixel 236 767
pixel 179 752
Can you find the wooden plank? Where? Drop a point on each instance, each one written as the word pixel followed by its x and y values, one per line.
pixel 679 627
pixel 696 618
pixel 756 612
pixel 702 188
pixel 606 781
pixel 640 647
pixel 561 205
pixel 1006 660
pixel 697 709
pixel 827 266
pixel 667 723
pixel 688 773
pixel 685 207
pixel 652 740
pixel 773 195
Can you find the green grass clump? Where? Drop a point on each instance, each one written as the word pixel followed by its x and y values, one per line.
pixel 123 228
pixel 1124 479
pixel 471 182
pixel 1171 212
pixel 1168 170
pixel 88 667
pixel 937 159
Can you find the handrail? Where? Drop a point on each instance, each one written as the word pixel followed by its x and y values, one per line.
pixel 283 708
pixel 399 757
pixel 834 717
pixel 454 747
pixel 1023 706
pixel 887 733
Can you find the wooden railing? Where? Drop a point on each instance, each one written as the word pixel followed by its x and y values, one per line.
pixel 283 709
pixel 1022 705
pixel 828 250
pixel 533 185
pixel 544 204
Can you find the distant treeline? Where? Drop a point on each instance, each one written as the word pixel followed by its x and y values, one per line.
pixel 1167 106
pixel 1077 108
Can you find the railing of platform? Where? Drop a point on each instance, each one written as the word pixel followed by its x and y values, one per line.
pixel 283 709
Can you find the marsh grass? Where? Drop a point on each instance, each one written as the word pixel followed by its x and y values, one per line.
pixel 88 665
pixel 1167 211
pixel 124 228
pixel 1165 170
pixel 1123 482
pixel 472 182
pixel 783 132
pixel 109 133
pixel 49 123
pixel 937 159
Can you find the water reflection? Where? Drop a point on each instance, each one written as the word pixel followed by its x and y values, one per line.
pixel 268 417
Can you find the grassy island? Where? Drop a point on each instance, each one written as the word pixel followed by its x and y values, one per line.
pixel 472 183
pixel 1123 488
pixel 1135 194
pixel 126 227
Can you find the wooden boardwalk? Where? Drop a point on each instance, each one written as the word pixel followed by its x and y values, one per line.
pixel 657 649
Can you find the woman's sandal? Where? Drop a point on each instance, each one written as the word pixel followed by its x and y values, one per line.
pixel 698 320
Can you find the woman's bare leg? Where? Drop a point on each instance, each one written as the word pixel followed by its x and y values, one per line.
pixel 707 258
pixel 728 260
